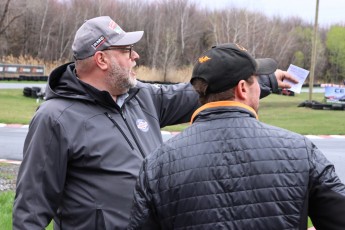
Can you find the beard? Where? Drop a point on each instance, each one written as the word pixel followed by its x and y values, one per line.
pixel 120 79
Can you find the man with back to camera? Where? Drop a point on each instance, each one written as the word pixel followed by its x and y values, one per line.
pixel 228 170
pixel 86 143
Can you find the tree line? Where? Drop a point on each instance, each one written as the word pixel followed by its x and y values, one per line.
pixel 176 32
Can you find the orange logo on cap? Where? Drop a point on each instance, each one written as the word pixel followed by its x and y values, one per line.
pixel 240 47
pixel 204 59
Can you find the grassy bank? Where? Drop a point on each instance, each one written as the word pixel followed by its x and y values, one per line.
pixel 6 203
pixel 6 207
pixel 281 111
pixel 15 108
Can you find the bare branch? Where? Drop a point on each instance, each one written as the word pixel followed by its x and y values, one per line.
pixel 2 20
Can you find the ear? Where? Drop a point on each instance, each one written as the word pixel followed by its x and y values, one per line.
pixel 101 60
pixel 241 90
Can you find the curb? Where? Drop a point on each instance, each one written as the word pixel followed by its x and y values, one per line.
pixel 10 161
pixel 2 125
pixel 325 136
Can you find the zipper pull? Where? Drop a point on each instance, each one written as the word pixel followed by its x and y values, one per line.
pixel 123 114
pixel 108 115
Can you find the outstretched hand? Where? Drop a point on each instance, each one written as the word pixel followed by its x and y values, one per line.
pixel 281 75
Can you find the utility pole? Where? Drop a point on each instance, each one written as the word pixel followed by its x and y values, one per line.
pixel 313 54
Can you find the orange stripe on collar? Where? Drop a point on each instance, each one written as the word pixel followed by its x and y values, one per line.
pixel 223 104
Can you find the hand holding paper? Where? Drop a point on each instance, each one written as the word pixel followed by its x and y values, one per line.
pixel 300 74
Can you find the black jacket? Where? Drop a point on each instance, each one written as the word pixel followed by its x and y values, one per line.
pixel 230 171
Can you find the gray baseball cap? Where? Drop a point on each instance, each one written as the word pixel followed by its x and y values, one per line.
pixel 100 33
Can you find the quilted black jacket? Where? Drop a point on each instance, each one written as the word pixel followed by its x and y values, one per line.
pixel 231 171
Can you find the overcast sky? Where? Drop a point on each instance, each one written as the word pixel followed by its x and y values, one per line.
pixel 330 11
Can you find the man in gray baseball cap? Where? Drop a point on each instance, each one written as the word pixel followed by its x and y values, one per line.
pixel 86 143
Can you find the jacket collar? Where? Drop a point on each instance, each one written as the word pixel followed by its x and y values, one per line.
pixel 63 83
pixel 223 104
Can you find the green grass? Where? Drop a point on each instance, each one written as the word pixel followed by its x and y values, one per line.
pixel 15 108
pixel 282 111
pixel 310 224
pixel 176 128
pixel 6 207
pixel 6 203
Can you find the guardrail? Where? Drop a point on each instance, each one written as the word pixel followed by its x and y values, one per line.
pixel 22 72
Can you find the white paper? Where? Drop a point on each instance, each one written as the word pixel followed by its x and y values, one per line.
pixel 300 74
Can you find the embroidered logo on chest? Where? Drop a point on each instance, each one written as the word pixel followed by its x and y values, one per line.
pixel 142 125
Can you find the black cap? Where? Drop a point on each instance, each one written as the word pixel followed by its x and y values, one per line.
pixel 223 66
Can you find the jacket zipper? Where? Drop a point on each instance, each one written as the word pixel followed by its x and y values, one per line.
pixel 117 126
pixel 130 130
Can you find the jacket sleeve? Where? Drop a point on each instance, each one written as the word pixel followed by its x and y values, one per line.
pixel 268 84
pixel 175 103
pixel 327 194
pixel 143 210
pixel 41 176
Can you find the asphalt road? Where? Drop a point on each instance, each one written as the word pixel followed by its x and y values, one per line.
pixel 17 85
pixel 12 142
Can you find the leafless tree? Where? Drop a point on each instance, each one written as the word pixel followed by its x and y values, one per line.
pixel 5 19
pixel 176 31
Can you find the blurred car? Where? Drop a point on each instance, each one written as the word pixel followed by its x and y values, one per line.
pixel 287 92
